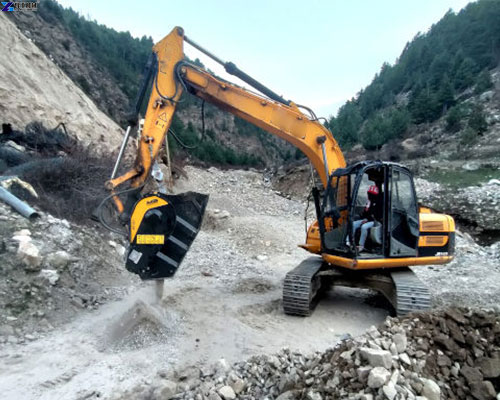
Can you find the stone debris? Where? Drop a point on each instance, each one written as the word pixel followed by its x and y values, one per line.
pixel 450 354
pixel 476 205
pixel 52 268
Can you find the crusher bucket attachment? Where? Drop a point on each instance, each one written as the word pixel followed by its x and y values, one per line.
pixel 162 228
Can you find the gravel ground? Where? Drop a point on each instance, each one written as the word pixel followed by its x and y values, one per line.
pixel 223 303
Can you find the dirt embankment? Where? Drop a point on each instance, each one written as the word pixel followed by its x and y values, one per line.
pixel 58 44
pixel 33 88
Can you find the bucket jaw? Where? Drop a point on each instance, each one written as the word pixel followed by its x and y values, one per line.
pixel 162 229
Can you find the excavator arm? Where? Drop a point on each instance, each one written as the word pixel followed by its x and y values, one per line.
pixel 273 114
pixel 162 227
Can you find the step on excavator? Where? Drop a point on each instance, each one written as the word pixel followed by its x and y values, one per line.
pixel 373 200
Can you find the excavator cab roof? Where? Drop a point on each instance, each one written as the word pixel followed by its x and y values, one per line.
pixel 356 167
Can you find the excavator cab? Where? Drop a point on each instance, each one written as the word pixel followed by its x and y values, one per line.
pixel 394 225
pixel 400 235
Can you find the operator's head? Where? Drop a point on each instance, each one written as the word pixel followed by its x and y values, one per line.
pixel 373 192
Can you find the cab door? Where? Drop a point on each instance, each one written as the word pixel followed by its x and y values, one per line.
pixel 403 228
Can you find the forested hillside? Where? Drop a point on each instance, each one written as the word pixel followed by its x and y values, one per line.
pixel 432 77
pixel 108 66
pixel 436 78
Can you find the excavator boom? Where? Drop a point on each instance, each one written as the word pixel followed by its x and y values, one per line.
pixel 275 115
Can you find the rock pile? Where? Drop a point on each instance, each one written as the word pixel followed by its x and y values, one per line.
pixel 475 205
pixel 52 269
pixel 452 354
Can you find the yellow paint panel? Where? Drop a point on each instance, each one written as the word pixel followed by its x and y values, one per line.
pixel 384 262
pixel 143 206
pixel 150 239
pixel 432 241
pixel 433 222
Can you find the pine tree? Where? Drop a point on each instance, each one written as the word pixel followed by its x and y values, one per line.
pixel 477 120
pixel 483 82
pixel 454 119
pixel 446 94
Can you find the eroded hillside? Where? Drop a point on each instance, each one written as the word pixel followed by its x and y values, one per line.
pixel 33 88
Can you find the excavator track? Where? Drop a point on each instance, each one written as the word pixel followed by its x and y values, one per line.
pixel 410 294
pixel 402 288
pixel 301 287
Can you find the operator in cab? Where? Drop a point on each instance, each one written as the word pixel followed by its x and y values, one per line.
pixel 373 212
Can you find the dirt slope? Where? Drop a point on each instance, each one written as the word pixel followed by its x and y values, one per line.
pixel 34 88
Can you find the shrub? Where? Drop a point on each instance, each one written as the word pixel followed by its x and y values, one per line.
pixel 454 119
pixel 477 119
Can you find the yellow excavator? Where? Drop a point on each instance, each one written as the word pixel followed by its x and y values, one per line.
pixel 162 227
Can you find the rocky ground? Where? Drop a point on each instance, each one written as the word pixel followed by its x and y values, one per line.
pixel 75 324
pixel 441 355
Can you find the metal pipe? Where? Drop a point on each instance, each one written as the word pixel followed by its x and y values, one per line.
pixel 234 70
pixel 20 206
pixel 325 161
pixel 204 51
pixel 122 150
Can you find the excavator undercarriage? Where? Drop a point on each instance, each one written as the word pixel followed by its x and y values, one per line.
pixel 304 285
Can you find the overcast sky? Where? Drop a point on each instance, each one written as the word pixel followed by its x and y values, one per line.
pixel 318 53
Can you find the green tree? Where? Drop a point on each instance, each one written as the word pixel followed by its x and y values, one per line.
pixel 465 74
pixel 346 125
pixel 446 93
pixel 424 106
pixel 483 82
pixel 375 132
pixel 454 119
pixel 477 119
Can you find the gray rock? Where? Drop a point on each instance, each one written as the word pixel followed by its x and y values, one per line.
pixel 400 341
pixel 376 357
pixel 60 259
pixel 167 390
pixel 490 367
pixel 431 390
pixel 389 391
pixel 471 375
pixel 227 393
pixel 29 255
pixel 393 349
pixel 483 391
pixel 51 275
pixel 189 373
pixel 222 366
pixel 290 395
pixel 238 385
pixel 363 373
pixel 377 377
pixel 405 358
pixel 6 330
pixel 312 395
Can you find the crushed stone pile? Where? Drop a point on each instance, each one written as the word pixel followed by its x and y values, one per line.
pixel 475 205
pixel 450 354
